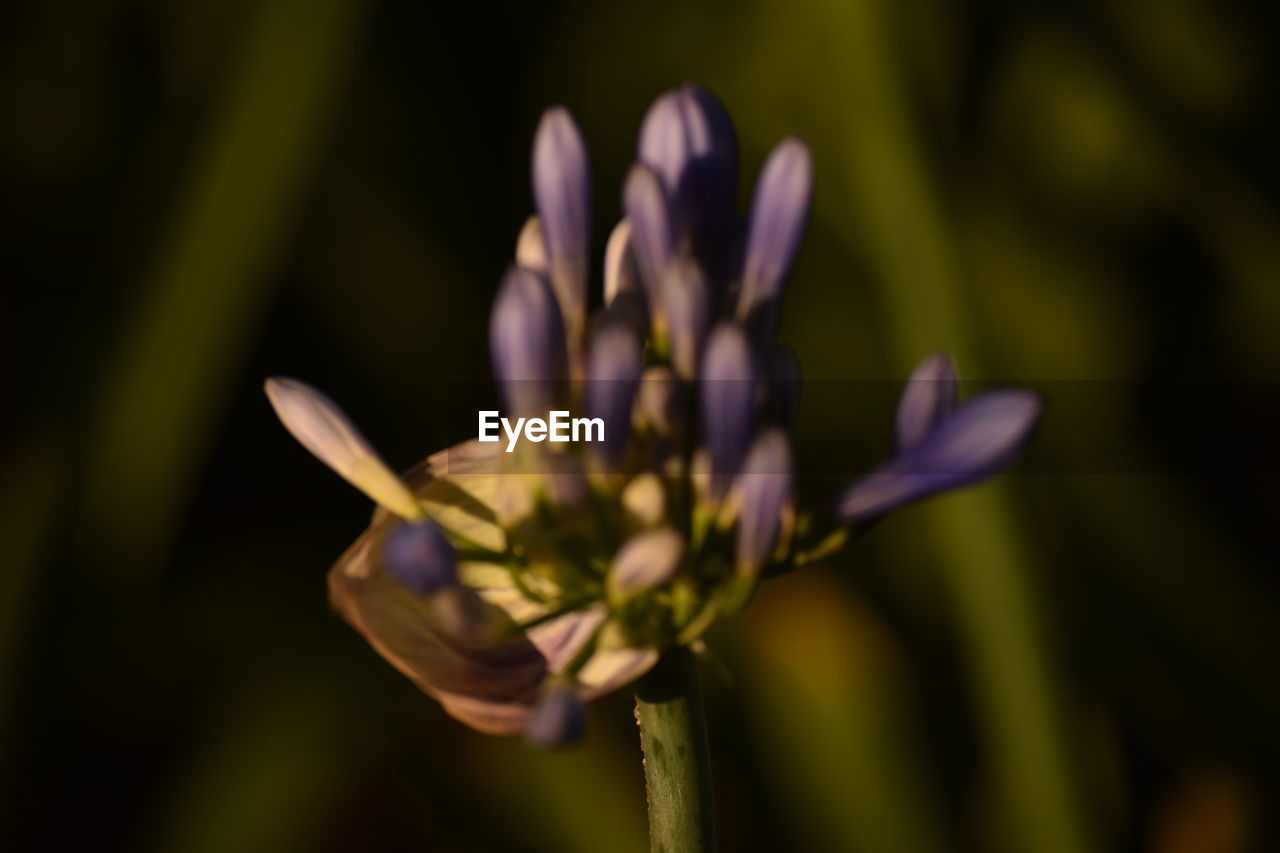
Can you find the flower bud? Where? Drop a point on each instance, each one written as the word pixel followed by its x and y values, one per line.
pixel 562 195
pixel 981 438
pixel 778 215
pixel 930 396
pixel 687 139
pixel 420 557
pixel 646 560
pixel 321 427
pixel 652 238
pixel 645 499
pixel 559 719
pixel 764 493
pixel 527 343
pixel 686 302
pixel 727 391
pixel 615 361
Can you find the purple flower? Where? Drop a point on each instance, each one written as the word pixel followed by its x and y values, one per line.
pixel 515 588
pixel 941 447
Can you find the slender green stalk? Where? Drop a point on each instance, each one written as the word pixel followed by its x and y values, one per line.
pixel 677 761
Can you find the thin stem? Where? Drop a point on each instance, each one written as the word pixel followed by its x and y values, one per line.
pixel 677 761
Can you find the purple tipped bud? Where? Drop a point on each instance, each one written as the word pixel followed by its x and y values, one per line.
pixel 765 491
pixel 527 343
pixel 646 560
pixel 531 247
pixel 778 216
pixel 930 396
pixel 615 362
pixel 562 194
pixel 559 719
pixel 727 390
pixel 980 439
pixel 420 557
pixel 687 138
pixel 652 238
pixel 686 302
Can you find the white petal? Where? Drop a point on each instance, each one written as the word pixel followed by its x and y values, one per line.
pixel 321 427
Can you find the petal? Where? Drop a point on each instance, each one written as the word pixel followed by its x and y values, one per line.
pixel 646 560
pixel 527 343
pixel 531 247
pixel 764 490
pixel 686 302
pixel 727 392
pixel 609 669
pixel 688 140
pixel 778 215
pixel 621 275
pixel 420 557
pixel 984 436
pixel 403 628
pixel 652 239
pixel 615 361
pixel 562 195
pixel 645 499
pixel 930 397
pixel 561 640
pixel 558 719
pixel 321 427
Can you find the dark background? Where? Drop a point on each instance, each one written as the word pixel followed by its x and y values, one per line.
pixel 1080 195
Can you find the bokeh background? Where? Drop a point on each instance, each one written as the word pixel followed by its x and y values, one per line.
pixel 1071 194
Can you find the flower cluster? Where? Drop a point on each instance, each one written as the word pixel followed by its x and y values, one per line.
pixel 516 588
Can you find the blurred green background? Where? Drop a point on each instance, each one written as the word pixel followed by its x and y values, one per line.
pixel 198 194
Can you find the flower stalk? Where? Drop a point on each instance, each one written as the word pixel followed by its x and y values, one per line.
pixel 677 759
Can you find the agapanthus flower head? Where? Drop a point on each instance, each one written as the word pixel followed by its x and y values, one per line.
pixel 515 587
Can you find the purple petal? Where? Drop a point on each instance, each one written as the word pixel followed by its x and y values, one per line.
pixel 652 239
pixel 765 488
pixel 615 362
pixel 686 301
pixel 527 343
pixel 558 719
pixel 727 390
pixel 778 215
pixel 403 629
pixel 930 397
pixel 688 139
pixel 646 560
pixel 562 195
pixel 420 557
pixel 984 436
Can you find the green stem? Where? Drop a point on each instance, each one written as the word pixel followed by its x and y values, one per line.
pixel 677 761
